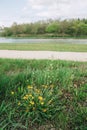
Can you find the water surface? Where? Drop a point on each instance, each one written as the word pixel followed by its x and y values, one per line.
pixel 24 40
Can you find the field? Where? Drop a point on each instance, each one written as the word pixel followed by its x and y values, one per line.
pixel 43 95
pixel 45 47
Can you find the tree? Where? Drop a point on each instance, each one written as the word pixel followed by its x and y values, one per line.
pixel 52 27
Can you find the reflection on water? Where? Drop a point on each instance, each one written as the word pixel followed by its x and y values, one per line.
pixel 19 40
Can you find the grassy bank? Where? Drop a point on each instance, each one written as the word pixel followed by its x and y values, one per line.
pixel 45 47
pixel 43 93
pixel 45 36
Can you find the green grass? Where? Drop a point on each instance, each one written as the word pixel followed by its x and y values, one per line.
pixel 43 93
pixel 45 47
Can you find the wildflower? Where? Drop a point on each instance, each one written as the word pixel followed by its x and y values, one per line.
pixel 19 103
pixel 44 110
pixel 32 102
pixel 42 103
pixel 45 86
pixel 37 90
pixel 51 85
pixel 25 97
pixel 29 87
pixel 40 98
pixel 12 92
pixel 30 95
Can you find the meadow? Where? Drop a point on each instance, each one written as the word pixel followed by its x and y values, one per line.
pixel 43 95
pixel 44 47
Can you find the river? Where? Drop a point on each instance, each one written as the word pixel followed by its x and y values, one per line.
pixel 24 40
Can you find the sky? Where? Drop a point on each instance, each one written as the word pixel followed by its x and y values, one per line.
pixel 26 11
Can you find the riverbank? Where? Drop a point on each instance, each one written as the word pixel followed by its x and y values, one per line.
pixel 44 37
pixel 62 47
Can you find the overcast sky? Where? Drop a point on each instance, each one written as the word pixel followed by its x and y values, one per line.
pixel 25 11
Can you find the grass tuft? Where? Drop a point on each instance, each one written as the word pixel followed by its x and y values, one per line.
pixel 43 94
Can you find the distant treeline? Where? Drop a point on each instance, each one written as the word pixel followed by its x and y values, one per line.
pixel 49 28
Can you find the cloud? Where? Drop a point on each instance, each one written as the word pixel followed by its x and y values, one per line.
pixel 58 8
pixel 44 8
pixel 34 10
pixel 47 2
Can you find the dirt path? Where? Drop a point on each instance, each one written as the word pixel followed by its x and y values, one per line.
pixel 73 56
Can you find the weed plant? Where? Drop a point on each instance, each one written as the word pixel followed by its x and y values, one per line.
pixel 43 94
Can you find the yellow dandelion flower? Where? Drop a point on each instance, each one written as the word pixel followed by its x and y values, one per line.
pixel 19 103
pixel 51 86
pixel 42 103
pixel 25 97
pixel 45 86
pixel 29 87
pixel 37 90
pixel 44 110
pixel 30 95
pixel 32 102
pixel 12 92
pixel 40 98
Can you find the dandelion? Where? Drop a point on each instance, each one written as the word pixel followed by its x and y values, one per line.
pixel 12 92
pixel 42 103
pixel 30 95
pixel 45 86
pixel 51 86
pixel 44 110
pixel 37 90
pixel 29 87
pixel 19 103
pixel 25 97
pixel 32 102
pixel 40 98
